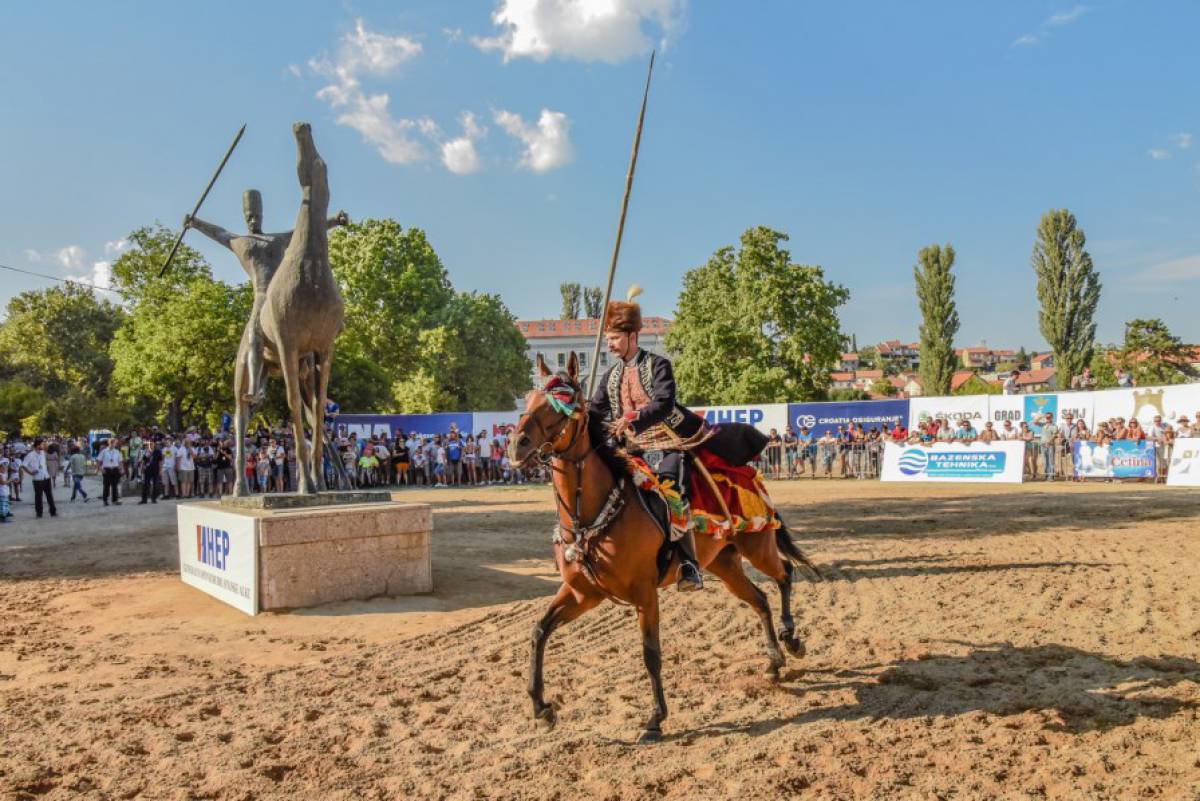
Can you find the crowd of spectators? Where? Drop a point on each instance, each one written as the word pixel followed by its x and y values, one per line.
pixel 854 451
pixel 154 465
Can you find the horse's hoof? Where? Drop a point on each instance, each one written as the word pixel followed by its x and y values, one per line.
pixel 795 646
pixel 546 718
pixel 649 736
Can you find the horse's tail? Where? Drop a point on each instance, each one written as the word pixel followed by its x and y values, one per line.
pixel 787 546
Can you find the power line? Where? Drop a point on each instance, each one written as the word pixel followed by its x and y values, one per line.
pixel 87 284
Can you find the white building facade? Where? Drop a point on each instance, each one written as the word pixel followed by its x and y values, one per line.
pixel 555 340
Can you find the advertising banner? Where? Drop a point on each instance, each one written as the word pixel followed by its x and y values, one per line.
pixel 1185 463
pixel 495 424
pixel 364 425
pixel 980 462
pixel 764 416
pixel 1145 404
pixel 821 417
pixel 1122 458
pixel 953 408
pixel 218 554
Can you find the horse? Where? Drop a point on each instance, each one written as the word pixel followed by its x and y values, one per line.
pixel 607 544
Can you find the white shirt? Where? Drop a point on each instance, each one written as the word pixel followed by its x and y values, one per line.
pixel 185 458
pixel 485 448
pixel 1010 433
pixel 35 463
pixel 109 457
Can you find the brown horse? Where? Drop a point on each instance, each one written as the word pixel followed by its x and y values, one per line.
pixel 607 546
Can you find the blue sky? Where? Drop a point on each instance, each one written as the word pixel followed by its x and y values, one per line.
pixel 864 131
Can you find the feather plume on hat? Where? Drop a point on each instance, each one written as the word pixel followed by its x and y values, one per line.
pixel 624 315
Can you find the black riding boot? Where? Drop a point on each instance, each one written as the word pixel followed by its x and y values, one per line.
pixel 690 579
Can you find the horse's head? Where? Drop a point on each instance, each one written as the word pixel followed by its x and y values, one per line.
pixel 555 415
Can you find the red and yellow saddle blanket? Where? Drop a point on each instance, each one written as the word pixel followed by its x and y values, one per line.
pixel 741 488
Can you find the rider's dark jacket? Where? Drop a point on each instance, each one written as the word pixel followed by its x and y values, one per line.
pixel 643 391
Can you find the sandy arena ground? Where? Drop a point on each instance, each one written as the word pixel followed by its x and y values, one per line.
pixel 1041 642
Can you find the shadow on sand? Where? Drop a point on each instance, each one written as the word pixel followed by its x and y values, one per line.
pixel 1077 691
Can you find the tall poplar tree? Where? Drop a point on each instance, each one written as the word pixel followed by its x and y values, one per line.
pixel 593 300
pixel 571 297
pixel 1068 289
pixel 939 317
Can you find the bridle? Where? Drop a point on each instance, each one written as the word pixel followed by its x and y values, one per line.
pixel 582 536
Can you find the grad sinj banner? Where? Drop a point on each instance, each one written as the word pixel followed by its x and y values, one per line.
pixel 979 462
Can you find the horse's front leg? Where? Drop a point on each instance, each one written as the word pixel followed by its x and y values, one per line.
pixel 652 655
pixel 565 607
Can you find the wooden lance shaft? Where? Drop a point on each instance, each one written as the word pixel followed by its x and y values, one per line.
pixel 612 269
pixel 200 202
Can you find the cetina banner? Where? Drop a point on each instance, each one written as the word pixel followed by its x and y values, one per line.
pixel 819 418
pixel 979 462
pixel 764 416
pixel 1122 458
pixel 1185 464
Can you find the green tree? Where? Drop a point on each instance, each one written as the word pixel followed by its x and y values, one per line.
pixel 884 387
pixel 753 327
pixel 593 302
pixel 845 394
pixel 1068 289
pixel 57 339
pixel 394 287
pixel 1104 367
pixel 18 400
pixel 176 350
pixel 939 315
pixel 1153 355
pixel 572 295
pixel 869 359
pixel 475 359
pixel 136 271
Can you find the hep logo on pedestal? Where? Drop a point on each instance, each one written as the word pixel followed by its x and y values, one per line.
pixel 212 547
pixel 913 461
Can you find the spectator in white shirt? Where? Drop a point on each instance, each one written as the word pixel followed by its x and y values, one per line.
pixel 187 468
pixel 34 465
pixel 1011 387
pixel 110 462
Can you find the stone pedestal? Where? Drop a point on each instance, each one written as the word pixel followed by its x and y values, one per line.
pixel 305 556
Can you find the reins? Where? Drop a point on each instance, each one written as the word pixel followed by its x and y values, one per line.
pixel 582 537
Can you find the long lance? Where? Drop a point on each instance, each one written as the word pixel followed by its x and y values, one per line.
pixel 200 202
pixel 612 269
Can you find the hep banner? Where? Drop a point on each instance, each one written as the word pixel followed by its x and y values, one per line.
pixel 979 462
pixel 764 416
pixel 1122 458
pixel 821 417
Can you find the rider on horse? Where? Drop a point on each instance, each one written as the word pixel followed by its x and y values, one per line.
pixel 635 401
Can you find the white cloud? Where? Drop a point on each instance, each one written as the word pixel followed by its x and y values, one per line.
pixel 373 53
pixel 32 255
pixel 547 146
pixel 588 30
pixel 1067 17
pixel 295 70
pixel 1182 140
pixel 453 34
pixel 116 247
pixel 1055 20
pixel 459 155
pixel 1181 269
pixel 1158 153
pixel 102 274
pixel 72 257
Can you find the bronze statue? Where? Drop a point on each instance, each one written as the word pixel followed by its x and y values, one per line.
pixel 297 311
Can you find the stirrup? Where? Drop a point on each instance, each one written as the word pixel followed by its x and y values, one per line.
pixel 690 579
